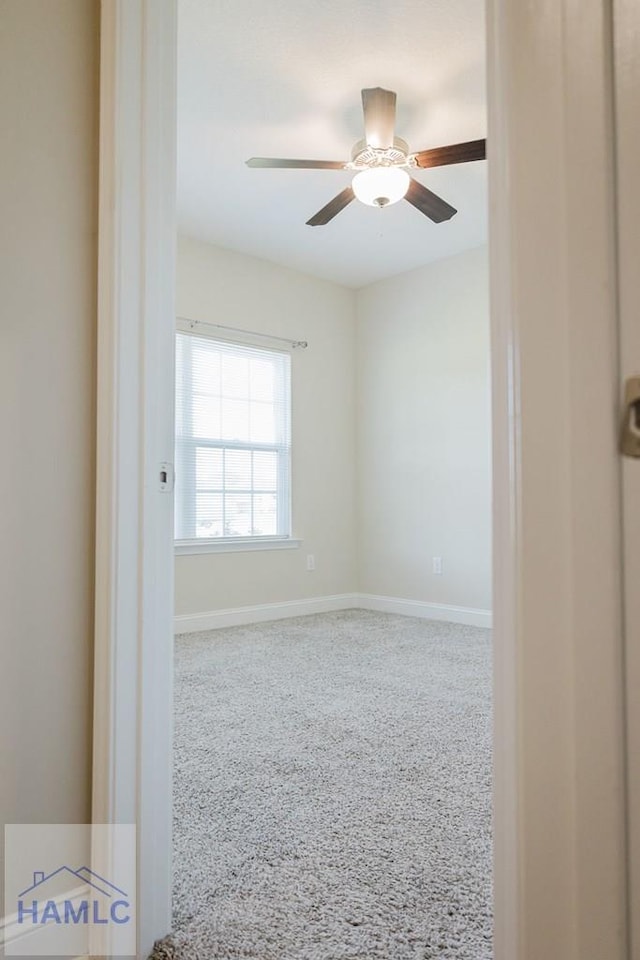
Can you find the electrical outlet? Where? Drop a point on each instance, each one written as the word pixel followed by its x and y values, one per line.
pixel 437 566
pixel 311 562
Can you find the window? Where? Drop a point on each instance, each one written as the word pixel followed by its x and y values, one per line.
pixel 233 441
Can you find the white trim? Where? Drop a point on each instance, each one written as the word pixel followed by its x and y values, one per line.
pixel 449 613
pixel 215 619
pixel 12 932
pixel 260 613
pixel 134 517
pixel 230 545
pixel 626 16
pixel 507 842
pixel 559 851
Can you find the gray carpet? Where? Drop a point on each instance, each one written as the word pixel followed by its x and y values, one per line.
pixel 332 778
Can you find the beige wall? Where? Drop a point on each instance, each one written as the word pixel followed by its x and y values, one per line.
pixel 424 479
pixel 48 190
pixel 224 287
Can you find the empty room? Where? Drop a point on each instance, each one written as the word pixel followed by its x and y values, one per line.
pixel 332 744
pixel 250 654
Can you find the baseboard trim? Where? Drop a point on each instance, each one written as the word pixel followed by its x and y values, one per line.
pixel 13 932
pixel 471 616
pixel 261 613
pixel 194 622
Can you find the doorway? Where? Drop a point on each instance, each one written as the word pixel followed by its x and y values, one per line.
pixel 551 765
pixel 333 494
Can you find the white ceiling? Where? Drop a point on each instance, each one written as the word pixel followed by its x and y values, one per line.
pixel 283 79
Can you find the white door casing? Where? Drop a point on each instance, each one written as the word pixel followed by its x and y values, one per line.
pixel 627 83
pixel 560 866
pixel 560 859
pixel 134 531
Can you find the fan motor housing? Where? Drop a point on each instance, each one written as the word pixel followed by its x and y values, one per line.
pixel 363 156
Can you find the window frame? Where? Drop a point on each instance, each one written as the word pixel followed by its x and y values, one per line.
pixel 227 544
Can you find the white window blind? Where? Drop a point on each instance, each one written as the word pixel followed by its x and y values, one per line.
pixel 233 440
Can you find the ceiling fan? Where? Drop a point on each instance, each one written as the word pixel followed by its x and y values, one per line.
pixel 381 163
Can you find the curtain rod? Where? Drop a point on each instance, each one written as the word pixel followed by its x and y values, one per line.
pixel 302 344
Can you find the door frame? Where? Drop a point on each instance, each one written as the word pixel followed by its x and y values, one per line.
pixel 559 780
pixel 132 767
pixel 560 790
pixel 627 83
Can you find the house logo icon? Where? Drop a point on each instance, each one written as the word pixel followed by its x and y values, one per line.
pixel 72 897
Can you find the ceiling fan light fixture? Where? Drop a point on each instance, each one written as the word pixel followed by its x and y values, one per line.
pixel 381 186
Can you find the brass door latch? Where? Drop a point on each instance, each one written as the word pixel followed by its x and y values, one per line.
pixel 630 438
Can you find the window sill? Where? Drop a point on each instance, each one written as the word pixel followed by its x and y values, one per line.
pixel 194 547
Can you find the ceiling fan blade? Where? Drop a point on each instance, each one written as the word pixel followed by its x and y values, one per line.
pixel 429 203
pixel 277 162
pixel 332 209
pixel 379 108
pixel 454 153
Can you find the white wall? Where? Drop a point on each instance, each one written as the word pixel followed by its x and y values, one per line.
pixel 404 416
pixel 48 197
pixel 424 476
pixel 224 287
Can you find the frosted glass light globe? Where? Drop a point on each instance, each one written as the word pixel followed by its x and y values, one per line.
pixel 380 186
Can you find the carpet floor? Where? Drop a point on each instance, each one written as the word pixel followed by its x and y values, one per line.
pixel 333 791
